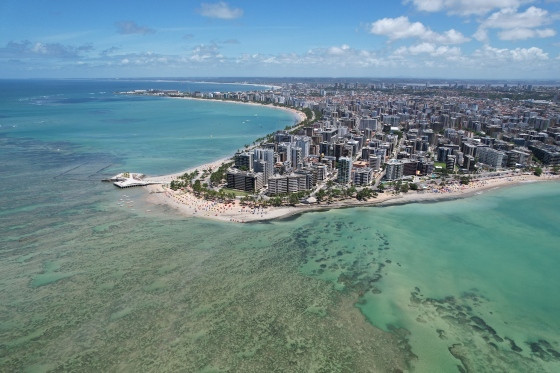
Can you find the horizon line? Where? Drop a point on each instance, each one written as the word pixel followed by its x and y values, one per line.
pixel 198 78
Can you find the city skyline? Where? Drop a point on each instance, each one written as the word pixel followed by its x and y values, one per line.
pixel 495 39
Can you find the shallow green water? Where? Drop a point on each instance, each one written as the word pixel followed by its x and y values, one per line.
pixel 97 287
pixel 479 274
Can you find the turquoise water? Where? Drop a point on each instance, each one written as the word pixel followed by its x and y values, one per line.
pixel 93 281
pixel 476 273
pixel 153 135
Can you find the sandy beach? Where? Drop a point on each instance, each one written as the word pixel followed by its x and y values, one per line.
pixel 187 204
pixel 298 114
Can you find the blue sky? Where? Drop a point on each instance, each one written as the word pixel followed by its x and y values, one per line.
pixel 506 39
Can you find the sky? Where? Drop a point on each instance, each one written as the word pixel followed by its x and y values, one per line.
pixel 461 39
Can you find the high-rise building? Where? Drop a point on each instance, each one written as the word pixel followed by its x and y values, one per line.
pixel 370 123
pixel 410 167
pixel 321 172
pixel 394 169
pixel 286 149
pixel 289 183
pixel 366 152
pixel 326 149
pixel 297 157
pixel 460 157
pixel 344 167
pixel 266 155
pixel 425 167
pixel 517 158
pixel 283 136
pixel 490 157
pixel 469 162
pixel 547 154
pixel 442 153
pixel 363 176
pixel 353 147
pixel 381 153
pixel 303 143
pixel 261 167
pixel 450 163
pixel 375 162
pixel 277 185
pixel 243 180
pixel 469 149
pixel 339 150
pixel 243 161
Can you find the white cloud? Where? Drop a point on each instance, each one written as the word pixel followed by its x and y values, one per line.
pixel 497 55
pixel 338 50
pixel 481 35
pixel 487 61
pixel 402 28
pixel 510 18
pixel 398 28
pixel 220 10
pixel 451 37
pixel 429 49
pixel 428 5
pixel 449 52
pixel 465 7
pixel 422 48
pixel 206 52
pixel 528 54
pixel 418 59
pixel 525 33
pixel 334 57
pixel 516 25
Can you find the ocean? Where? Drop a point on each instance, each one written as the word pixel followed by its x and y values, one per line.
pixel 96 279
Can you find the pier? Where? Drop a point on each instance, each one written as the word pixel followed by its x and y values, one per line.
pixel 129 180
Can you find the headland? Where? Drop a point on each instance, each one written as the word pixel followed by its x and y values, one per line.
pixel 365 147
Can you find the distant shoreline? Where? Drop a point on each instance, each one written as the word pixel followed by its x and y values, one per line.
pixel 270 86
pixel 298 115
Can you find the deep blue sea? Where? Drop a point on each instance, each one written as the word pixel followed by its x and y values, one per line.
pixel 94 279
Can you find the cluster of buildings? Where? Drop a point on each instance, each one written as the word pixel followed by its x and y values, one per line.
pixel 365 133
pixel 283 166
pixel 340 147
